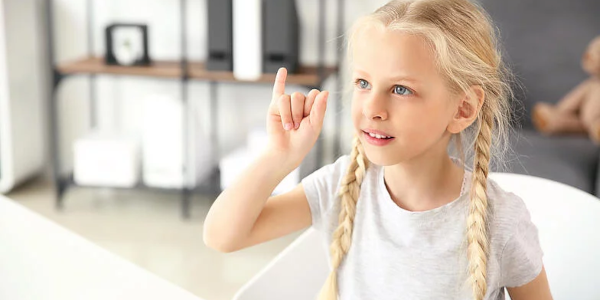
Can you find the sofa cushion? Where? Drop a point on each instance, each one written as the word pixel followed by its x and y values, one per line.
pixel 572 160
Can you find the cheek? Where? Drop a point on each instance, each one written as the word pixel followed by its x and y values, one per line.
pixel 421 119
pixel 356 111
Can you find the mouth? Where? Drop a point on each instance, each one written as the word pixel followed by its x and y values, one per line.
pixel 377 134
pixel 377 138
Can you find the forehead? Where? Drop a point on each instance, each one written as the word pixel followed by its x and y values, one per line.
pixel 383 52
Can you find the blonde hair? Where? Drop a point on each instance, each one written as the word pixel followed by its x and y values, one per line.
pixel 467 54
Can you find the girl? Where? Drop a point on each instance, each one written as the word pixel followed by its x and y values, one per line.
pixel 404 219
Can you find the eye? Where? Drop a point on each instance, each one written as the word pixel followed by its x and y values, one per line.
pixel 362 84
pixel 401 90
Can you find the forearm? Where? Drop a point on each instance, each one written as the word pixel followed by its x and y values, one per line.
pixel 234 213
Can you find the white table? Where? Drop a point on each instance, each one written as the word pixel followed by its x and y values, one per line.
pixel 41 260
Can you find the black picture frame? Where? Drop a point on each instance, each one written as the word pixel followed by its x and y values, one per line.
pixel 111 57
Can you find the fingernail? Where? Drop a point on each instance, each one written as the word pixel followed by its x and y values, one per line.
pixel 297 125
pixel 287 126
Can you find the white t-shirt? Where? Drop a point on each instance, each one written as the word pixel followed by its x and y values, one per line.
pixel 399 254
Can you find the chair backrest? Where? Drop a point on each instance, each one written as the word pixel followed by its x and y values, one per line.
pixel 568 221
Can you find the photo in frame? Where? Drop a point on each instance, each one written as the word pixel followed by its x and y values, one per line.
pixel 127 45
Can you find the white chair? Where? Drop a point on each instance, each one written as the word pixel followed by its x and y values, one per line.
pixel 568 221
pixel 297 273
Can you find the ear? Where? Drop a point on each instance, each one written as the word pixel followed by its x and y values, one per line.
pixel 467 109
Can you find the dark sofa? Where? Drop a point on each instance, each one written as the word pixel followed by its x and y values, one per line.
pixel 543 42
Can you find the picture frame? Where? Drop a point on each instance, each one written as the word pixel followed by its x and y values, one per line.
pixel 127 45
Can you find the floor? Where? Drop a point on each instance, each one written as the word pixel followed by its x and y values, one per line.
pixel 146 228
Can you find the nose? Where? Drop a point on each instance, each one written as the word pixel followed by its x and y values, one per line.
pixel 374 108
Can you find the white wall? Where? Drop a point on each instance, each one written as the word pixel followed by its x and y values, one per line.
pixel 119 99
pixel 21 146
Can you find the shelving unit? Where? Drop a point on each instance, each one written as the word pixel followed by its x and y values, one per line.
pixel 184 70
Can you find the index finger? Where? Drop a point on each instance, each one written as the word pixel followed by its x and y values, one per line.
pixel 279 85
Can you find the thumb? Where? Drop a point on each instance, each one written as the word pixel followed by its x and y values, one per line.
pixel 317 113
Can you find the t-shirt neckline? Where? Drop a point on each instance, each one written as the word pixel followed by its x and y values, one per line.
pixel 388 199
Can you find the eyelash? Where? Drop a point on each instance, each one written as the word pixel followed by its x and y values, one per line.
pixel 411 92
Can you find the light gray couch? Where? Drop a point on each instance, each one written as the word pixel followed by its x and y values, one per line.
pixel 544 41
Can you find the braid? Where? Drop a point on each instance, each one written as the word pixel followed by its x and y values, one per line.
pixel 477 233
pixel 342 236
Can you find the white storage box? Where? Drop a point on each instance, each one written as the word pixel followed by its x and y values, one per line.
pixel 162 145
pixel 234 164
pixel 107 159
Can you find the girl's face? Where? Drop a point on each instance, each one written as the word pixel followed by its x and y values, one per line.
pixel 398 92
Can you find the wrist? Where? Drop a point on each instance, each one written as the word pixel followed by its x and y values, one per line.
pixel 282 159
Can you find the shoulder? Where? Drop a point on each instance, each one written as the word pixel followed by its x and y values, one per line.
pixel 330 174
pixel 321 188
pixel 339 165
pixel 515 236
pixel 506 207
pixel 507 211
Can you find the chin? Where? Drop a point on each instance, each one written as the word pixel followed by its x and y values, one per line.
pixel 382 158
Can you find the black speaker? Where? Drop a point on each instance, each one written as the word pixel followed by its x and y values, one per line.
pixel 281 35
pixel 220 35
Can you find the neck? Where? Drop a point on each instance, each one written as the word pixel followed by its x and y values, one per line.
pixel 425 182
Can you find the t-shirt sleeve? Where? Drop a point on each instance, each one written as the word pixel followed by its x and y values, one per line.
pixel 522 254
pixel 321 189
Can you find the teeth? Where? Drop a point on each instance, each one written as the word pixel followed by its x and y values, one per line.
pixel 378 136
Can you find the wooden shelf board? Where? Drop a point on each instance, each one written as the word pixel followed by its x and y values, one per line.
pixel 96 65
pixel 306 75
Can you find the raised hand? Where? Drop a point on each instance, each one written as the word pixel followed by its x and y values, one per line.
pixel 294 122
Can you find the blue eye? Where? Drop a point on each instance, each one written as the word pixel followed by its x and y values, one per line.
pixel 363 84
pixel 402 90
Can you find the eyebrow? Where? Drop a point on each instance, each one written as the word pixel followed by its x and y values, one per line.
pixel 394 78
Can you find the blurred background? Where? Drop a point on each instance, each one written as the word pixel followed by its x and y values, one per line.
pixel 123 120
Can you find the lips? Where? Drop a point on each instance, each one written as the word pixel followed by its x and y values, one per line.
pixel 376 139
pixel 377 133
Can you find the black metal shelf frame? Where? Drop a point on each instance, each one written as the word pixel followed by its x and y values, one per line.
pixel 62 183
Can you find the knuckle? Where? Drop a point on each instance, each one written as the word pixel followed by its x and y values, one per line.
pixel 297 96
pixel 284 114
pixel 283 99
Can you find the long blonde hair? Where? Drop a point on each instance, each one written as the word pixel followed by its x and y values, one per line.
pixel 467 54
